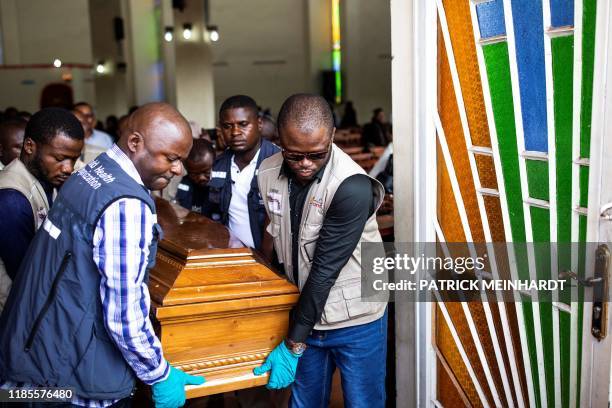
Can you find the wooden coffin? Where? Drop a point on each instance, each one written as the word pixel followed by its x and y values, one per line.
pixel 216 306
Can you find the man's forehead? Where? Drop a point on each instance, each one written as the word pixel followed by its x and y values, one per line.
pixel 239 112
pixel 61 143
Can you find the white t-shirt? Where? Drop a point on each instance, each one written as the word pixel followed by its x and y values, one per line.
pixel 239 222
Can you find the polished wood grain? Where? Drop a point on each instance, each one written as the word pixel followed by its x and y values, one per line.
pixel 218 308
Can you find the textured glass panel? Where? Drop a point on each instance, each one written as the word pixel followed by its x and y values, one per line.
pixel 537 179
pixel 498 73
pixel 529 331
pixel 584 187
pixel 449 116
pixel 540 224
pixel 448 394
pixel 482 328
pixel 562 12
pixel 455 310
pixel 548 336
pixel 494 215
pixel 486 171
pixel 563 65
pixel 566 356
pixel 516 341
pixel 448 214
pixel 491 18
pixel 588 53
pixel 464 50
pixel 529 36
pixel 446 345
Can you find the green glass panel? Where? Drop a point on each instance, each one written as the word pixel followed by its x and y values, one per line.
pixel 563 65
pixel 498 73
pixel 548 336
pixel 528 315
pixel 537 179
pixel 589 8
pixel 565 326
pixel 584 186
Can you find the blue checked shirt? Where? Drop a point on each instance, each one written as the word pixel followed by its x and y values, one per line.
pixel 121 250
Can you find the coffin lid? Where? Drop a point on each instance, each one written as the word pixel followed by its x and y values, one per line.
pixel 200 261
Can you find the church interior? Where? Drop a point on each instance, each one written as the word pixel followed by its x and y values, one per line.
pixel 254 128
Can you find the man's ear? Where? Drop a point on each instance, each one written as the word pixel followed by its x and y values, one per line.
pixel 333 133
pixel 135 142
pixel 259 123
pixel 29 147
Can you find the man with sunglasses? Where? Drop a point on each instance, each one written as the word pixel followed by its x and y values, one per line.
pixel 233 194
pixel 321 205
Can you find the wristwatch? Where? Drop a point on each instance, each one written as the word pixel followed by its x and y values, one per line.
pixel 295 347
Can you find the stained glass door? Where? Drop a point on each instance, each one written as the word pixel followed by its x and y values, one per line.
pixel 515 134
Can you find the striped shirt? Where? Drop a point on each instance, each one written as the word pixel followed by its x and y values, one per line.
pixel 121 250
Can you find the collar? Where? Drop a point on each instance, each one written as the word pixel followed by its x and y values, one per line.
pixel 124 162
pixel 252 162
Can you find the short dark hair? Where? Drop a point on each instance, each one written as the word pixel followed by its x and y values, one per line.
pixel 47 123
pixel 199 150
pixel 7 126
pixel 307 112
pixel 239 101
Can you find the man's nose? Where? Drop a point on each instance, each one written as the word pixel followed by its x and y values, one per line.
pixel 177 168
pixel 67 167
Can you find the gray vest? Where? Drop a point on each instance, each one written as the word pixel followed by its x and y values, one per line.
pixel 17 177
pixel 344 307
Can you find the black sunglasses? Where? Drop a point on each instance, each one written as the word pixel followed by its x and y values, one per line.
pixel 298 157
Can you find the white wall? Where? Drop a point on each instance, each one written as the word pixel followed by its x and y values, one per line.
pixel 37 32
pixel 366 45
pixel 111 93
pixel 194 67
pixel 270 49
pixel 263 50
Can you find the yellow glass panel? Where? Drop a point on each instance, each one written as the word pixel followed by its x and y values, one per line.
pixel 449 116
pixel 446 345
pixel 464 50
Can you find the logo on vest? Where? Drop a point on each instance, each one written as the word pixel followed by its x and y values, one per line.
pixel 41 215
pixel 274 203
pixel 316 203
pixel 94 174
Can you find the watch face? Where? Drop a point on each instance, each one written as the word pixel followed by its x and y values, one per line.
pixel 299 348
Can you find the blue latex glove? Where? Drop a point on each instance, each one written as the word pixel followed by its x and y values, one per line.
pixel 283 364
pixel 170 393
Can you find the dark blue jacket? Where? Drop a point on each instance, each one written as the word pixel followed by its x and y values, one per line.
pixel 192 197
pixel 220 191
pixel 52 331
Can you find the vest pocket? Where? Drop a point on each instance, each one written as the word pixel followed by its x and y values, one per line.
pixel 102 372
pixel 344 303
pixel 47 304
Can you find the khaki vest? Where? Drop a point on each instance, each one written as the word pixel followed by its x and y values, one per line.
pixel 17 177
pixel 344 307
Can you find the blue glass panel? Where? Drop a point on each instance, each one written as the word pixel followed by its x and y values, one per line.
pixel 529 35
pixel 491 18
pixel 562 13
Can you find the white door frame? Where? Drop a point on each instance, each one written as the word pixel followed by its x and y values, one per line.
pixel 414 97
pixel 595 377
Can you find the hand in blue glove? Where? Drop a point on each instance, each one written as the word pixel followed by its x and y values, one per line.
pixel 170 393
pixel 283 364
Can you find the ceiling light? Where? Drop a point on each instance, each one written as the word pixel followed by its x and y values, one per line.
pixel 168 34
pixel 187 31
